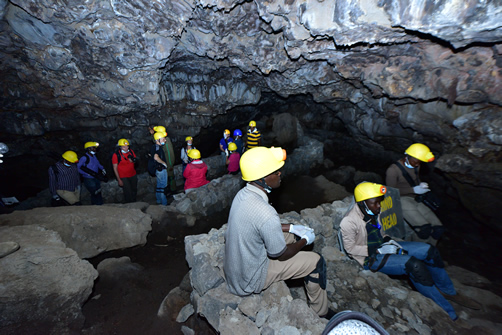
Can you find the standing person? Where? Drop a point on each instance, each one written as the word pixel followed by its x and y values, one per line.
pixel 404 175
pixel 170 158
pixel 184 151
pixel 195 172
pixel 422 262
pixel 92 172
pixel 238 141
pixel 259 250
pixel 159 156
pixel 224 145
pixel 233 159
pixel 64 180
pixel 123 166
pixel 253 138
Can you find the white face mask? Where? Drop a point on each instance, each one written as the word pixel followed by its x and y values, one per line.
pixel 407 164
pixel 92 152
pixel 126 151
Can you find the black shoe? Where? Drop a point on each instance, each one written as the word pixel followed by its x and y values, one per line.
pixel 331 313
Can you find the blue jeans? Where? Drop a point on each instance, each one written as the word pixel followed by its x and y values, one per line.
pixel 161 187
pixel 395 265
pixel 94 187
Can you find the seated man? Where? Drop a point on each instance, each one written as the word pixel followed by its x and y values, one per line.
pixel 259 250
pixel 420 261
pixel 404 175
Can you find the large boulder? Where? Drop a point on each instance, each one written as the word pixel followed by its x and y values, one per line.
pixel 43 284
pixel 89 230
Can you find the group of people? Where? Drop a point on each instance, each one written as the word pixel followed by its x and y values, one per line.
pixel 232 148
pixel 67 175
pixel 259 250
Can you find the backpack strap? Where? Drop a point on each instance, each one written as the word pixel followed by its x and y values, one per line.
pixel 406 175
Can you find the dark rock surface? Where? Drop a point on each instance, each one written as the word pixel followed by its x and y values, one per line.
pixel 394 72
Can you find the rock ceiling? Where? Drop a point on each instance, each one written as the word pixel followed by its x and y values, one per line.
pixel 419 70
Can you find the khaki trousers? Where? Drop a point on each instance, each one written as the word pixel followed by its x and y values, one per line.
pixel 418 214
pixel 70 197
pixel 299 266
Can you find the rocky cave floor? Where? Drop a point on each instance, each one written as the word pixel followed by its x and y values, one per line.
pixel 130 304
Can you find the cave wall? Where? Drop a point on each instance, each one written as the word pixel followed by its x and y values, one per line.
pixel 393 72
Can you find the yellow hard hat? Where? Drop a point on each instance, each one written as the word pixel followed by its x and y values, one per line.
pixel 159 135
pixel 188 138
pixel 227 131
pixel 367 190
pixel 160 129
pixel 70 156
pixel 91 144
pixel 122 142
pixel 194 154
pixel 232 146
pixel 420 151
pixel 252 123
pixel 259 162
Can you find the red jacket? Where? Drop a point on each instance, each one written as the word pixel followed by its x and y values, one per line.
pixel 195 174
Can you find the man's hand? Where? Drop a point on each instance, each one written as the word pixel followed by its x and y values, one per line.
pixel 299 230
pixel 420 189
pixel 391 247
pixel 309 236
pixel 121 183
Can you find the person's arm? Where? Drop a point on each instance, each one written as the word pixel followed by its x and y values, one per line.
pixel 52 182
pixel 158 160
pixel 392 176
pixel 221 148
pixel 349 235
pixel 116 171
pixel 292 250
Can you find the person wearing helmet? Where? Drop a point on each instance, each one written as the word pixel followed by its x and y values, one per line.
pixel 363 241
pixel 92 172
pixel 170 158
pixel 123 161
pixel 238 141
pixel 161 172
pixel 184 152
pixel 64 180
pixel 422 224
pixel 259 250
pixel 253 138
pixel 195 172
pixel 224 145
pixel 233 159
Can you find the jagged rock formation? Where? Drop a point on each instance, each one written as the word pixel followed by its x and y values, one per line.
pixel 393 72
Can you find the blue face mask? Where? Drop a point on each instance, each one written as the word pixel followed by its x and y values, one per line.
pixel 163 143
pixel 92 152
pixel 368 211
pixel 66 164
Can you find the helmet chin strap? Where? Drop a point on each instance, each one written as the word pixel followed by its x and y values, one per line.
pixel 263 184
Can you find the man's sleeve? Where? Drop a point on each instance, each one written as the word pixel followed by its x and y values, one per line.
pixel 273 237
pixel 114 158
pixel 349 239
pixel 52 181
